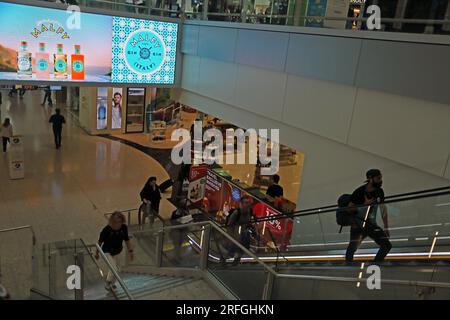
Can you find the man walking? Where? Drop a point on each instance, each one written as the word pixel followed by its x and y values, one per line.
pixel 57 120
pixel 365 202
pixel 48 96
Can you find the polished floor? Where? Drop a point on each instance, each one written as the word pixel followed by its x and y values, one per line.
pixel 65 192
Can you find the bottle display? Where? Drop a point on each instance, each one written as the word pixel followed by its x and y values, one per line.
pixel 60 63
pixel 101 121
pixel 77 62
pixel 42 63
pixel 24 61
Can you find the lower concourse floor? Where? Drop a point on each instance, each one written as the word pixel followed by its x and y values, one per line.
pixel 66 192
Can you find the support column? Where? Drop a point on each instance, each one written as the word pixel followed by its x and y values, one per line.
pixel 299 11
pixel 446 27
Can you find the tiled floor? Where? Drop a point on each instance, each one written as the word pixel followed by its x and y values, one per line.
pixel 66 192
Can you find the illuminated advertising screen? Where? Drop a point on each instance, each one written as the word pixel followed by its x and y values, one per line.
pixel 40 44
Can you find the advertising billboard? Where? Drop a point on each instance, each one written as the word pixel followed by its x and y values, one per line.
pixel 223 196
pixel 102 111
pixel 116 108
pixel 38 44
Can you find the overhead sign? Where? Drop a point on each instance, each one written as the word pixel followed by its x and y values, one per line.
pixel 40 46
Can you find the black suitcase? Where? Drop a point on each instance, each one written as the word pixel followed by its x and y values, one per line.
pixel 165 185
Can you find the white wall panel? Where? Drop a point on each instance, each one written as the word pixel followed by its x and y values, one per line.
pixel 190 74
pixel 217 43
pixel 411 131
pixel 321 107
pixel 260 91
pixel 330 168
pixel 267 50
pixel 189 43
pixel 410 69
pixel 325 58
pixel 217 80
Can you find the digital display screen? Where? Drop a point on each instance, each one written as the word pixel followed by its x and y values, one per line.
pixel 45 45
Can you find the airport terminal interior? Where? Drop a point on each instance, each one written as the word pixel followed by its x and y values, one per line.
pixel 225 150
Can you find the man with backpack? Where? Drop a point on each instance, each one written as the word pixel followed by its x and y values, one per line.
pixel 360 214
pixel 240 228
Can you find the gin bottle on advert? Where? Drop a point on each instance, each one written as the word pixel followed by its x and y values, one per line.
pixel 42 63
pixel 101 117
pixel 60 63
pixel 77 61
pixel 24 61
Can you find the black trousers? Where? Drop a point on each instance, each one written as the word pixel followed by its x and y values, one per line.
pixel 57 133
pixel 5 142
pixel 48 96
pixel 357 235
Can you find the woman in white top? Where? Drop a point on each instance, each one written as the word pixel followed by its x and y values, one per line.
pixel 6 132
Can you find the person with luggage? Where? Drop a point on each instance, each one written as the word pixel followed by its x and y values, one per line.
pixel 48 96
pixel 364 204
pixel 150 197
pixel 111 241
pixel 239 226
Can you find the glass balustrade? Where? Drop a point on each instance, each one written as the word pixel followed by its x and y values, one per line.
pixel 409 17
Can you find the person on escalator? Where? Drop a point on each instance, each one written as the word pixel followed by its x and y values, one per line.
pixel 275 190
pixel 239 226
pixel 365 202
pixel 111 241
pixel 178 235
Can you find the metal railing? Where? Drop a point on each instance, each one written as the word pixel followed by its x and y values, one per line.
pixel 272 274
pixel 332 208
pixel 21 228
pixel 114 272
pixel 132 212
pixel 161 8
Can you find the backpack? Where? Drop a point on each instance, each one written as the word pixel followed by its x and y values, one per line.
pixel 343 217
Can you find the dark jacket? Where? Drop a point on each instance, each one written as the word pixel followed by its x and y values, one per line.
pixel 152 195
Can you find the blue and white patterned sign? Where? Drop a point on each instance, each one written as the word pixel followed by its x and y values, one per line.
pixel 143 51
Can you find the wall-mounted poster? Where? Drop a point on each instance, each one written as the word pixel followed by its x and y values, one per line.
pixel 337 9
pixel 116 108
pixel 315 8
pixel 102 110
pixel 38 44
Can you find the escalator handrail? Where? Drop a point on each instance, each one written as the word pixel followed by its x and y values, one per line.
pixel 445 285
pixel 309 212
pixel 221 231
pixel 304 277
pixel 398 195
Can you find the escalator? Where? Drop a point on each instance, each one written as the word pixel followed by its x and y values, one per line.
pixel 416 268
pixel 185 260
